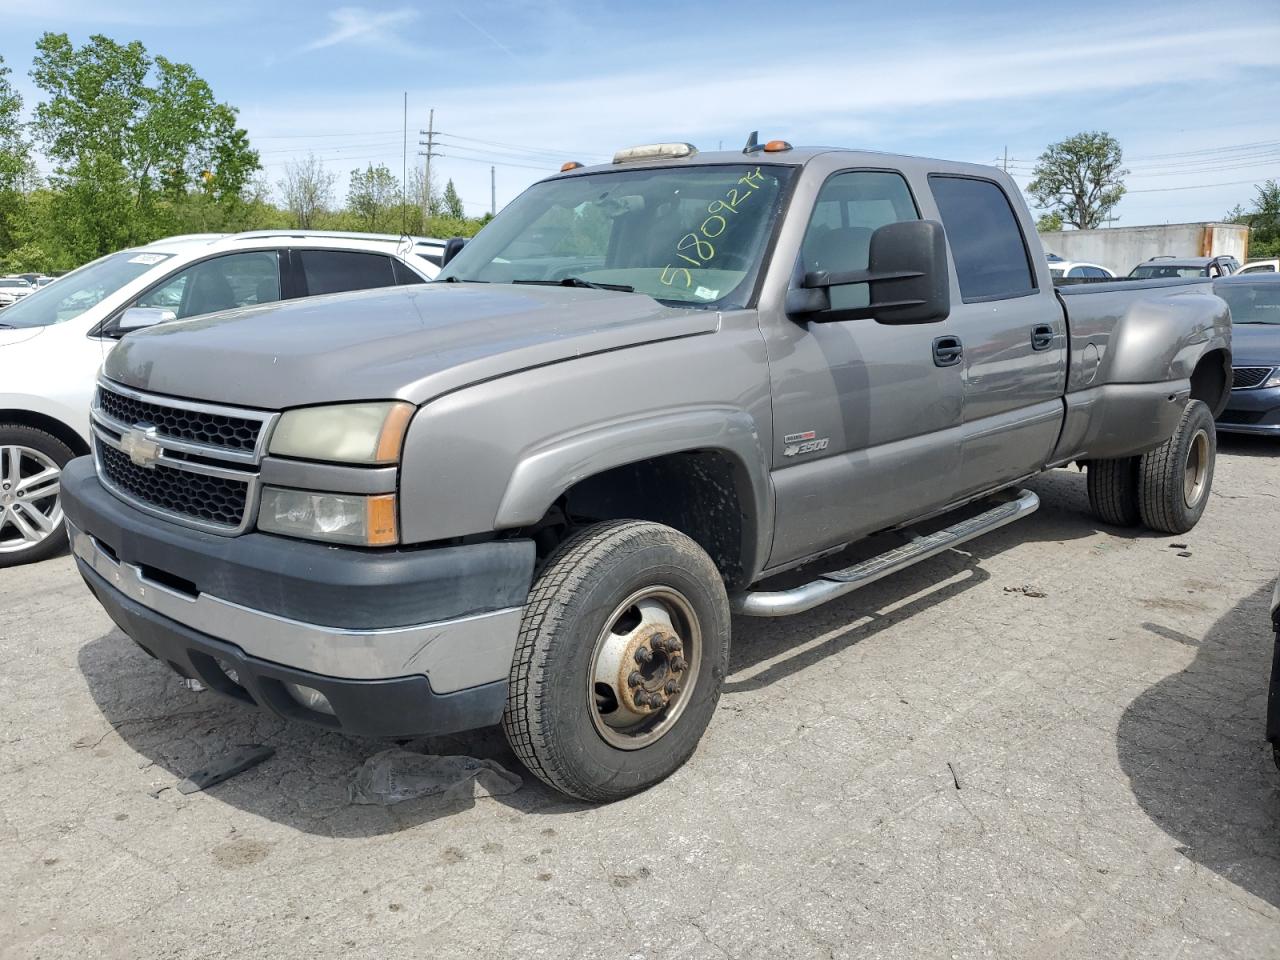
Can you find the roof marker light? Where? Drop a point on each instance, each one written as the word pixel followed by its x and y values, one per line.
pixel 570 165
pixel 776 146
pixel 655 151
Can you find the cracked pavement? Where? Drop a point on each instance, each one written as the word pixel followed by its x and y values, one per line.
pixel 1116 798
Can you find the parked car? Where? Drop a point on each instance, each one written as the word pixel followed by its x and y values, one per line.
pixel 1167 267
pixel 13 289
pixel 1261 266
pixel 1273 697
pixel 1254 406
pixel 53 341
pixel 533 491
pixel 1076 270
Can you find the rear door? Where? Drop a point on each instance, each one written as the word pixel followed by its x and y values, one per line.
pixel 1013 334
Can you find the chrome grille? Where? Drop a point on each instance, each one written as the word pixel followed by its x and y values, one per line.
pixel 190 462
pixel 214 500
pixel 1244 378
pixel 212 429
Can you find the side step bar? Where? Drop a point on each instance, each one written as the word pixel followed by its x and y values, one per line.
pixel 839 582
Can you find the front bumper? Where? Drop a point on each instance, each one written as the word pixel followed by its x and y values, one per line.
pixel 401 643
pixel 1255 411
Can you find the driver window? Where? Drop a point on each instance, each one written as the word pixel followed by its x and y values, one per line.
pixel 220 283
pixel 851 207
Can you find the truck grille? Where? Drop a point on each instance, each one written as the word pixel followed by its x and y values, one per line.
pixel 210 499
pixel 211 429
pixel 1243 378
pixel 191 463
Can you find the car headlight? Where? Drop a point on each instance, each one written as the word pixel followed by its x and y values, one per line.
pixel 333 517
pixel 345 433
pixel 1273 380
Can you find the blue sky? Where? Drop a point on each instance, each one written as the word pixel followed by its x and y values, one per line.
pixel 1192 91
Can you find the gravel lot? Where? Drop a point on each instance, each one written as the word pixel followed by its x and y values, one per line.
pixel 942 765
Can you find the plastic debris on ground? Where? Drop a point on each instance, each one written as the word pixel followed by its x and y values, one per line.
pixel 396 775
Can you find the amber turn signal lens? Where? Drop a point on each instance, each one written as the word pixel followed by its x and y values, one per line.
pixel 381 524
pixel 391 437
pixel 776 146
pixel 569 165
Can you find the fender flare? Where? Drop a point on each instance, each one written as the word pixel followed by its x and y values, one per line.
pixel 545 471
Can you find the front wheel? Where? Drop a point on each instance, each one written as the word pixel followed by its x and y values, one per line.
pixel 1175 478
pixel 31 521
pixel 622 652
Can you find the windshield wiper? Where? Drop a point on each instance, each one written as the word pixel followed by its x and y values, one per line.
pixel 7 326
pixel 452 279
pixel 579 282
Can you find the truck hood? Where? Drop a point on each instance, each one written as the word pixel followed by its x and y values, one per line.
pixel 1255 344
pixel 8 336
pixel 409 343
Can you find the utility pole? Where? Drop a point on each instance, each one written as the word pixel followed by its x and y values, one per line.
pixel 493 192
pixel 430 144
pixel 1006 158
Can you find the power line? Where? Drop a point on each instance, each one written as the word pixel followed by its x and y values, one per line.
pixel 1196 186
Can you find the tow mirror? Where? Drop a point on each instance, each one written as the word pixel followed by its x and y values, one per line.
pixel 452 247
pixel 907 277
pixel 135 318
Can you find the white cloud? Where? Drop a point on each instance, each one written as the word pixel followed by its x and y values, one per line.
pixel 365 27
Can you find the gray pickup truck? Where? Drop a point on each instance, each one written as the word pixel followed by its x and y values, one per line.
pixel 533 491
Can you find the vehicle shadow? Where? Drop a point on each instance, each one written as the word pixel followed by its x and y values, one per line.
pixel 1248 445
pixel 1063 516
pixel 305 784
pixel 1193 747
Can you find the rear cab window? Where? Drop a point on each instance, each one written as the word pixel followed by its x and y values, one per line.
pixel 987 245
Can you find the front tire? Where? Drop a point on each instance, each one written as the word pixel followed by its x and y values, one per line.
pixel 32 526
pixel 622 652
pixel 1176 477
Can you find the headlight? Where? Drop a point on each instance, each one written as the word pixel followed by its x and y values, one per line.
pixel 345 433
pixel 333 517
pixel 1274 379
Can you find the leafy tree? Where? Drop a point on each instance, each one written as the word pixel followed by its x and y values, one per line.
pixel 1263 220
pixel 1080 178
pixel 372 193
pixel 133 138
pixel 16 169
pixel 452 203
pixel 307 188
pixel 1049 223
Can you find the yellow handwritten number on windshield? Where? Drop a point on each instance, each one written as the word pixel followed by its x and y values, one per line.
pixel 699 243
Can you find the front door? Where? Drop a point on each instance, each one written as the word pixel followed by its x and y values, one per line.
pixel 866 422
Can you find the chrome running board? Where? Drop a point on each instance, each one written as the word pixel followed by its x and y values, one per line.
pixel 839 582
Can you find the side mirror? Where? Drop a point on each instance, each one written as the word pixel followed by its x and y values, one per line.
pixel 452 247
pixel 135 318
pixel 906 272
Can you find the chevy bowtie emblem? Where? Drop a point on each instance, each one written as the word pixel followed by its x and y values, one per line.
pixel 140 444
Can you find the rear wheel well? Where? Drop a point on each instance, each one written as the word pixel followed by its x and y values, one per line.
pixel 1211 380
pixel 49 425
pixel 701 493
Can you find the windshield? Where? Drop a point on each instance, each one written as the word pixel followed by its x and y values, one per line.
pixel 75 293
pixel 1249 302
pixel 1055 271
pixel 1155 271
pixel 20 282
pixel 692 236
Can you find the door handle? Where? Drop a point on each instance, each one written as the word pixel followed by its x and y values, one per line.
pixel 947 351
pixel 1042 337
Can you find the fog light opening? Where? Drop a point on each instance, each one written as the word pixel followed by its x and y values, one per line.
pixel 310 698
pixel 230 672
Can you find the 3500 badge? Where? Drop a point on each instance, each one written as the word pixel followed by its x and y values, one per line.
pixel 807 442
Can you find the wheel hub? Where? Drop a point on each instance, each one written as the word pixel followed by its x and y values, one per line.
pixel 30 498
pixel 643 666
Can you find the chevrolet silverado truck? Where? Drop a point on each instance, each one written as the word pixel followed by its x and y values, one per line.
pixel 532 491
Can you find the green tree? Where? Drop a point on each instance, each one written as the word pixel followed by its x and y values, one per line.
pixel 134 139
pixel 16 169
pixel 1263 220
pixel 1081 179
pixel 1049 223
pixel 452 203
pixel 372 193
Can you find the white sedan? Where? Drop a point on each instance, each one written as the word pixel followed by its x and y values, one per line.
pixel 54 339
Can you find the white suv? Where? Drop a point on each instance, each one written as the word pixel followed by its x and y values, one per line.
pixel 53 340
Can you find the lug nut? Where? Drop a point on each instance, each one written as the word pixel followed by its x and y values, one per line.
pixel 671 688
pixel 642 698
pixel 677 664
pixel 643 655
pixel 634 678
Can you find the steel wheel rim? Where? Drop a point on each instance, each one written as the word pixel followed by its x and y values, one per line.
pixel 30 498
pixel 659 619
pixel 1196 470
